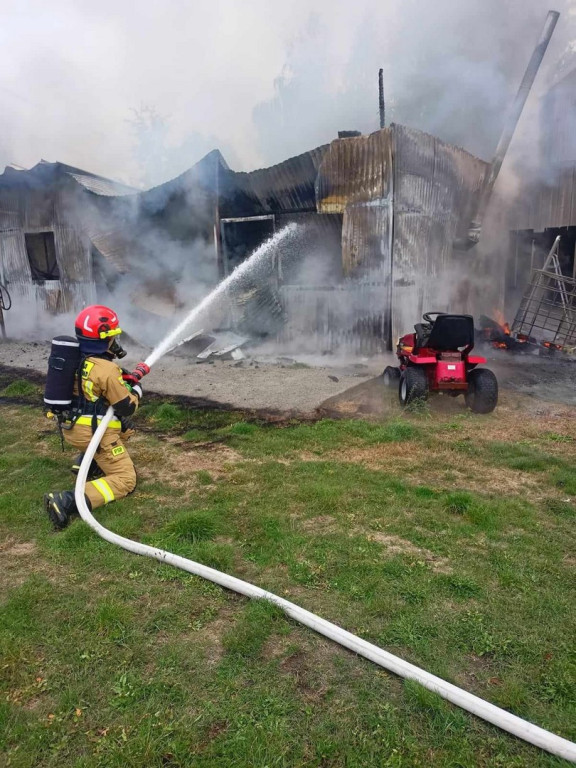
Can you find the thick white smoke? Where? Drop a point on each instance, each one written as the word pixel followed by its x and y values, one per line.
pixel 260 85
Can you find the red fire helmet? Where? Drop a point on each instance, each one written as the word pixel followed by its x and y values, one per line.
pixel 97 322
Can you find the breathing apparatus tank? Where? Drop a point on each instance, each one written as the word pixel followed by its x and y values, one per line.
pixel 63 365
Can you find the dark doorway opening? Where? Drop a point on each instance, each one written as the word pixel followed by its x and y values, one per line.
pixel 241 237
pixel 41 252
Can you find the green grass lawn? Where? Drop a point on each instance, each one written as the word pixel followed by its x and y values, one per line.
pixel 445 537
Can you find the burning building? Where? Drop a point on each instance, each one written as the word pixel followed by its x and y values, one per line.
pixel 378 215
pixel 385 219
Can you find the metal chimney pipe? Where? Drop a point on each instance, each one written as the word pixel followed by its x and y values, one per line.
pixel 381 98
pixel 510 126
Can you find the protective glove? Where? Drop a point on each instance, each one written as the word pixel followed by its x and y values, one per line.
pixel 127 424
pixel 133 377
pixel 129 378
pixel 128 428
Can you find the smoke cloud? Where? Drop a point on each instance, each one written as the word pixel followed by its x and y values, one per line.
pixel 261 82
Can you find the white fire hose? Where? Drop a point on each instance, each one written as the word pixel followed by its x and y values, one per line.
pixel 533 734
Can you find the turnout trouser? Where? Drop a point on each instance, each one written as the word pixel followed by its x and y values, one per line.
pixel 113 459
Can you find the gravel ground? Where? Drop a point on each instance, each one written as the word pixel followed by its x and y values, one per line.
pixel 301 386
pixel 274 384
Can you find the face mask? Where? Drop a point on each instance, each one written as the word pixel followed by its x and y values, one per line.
pixel 116 350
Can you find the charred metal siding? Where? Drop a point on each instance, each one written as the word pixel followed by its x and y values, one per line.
pixel 355 179
pixel 366 238
pixel 405 197
pixel 334 317
pixel 10 214
pixel 435 188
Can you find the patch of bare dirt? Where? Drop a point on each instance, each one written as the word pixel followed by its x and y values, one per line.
pixel 19 560
pixel 217 728
pixel 479 672
pixel 17 549
pixel 215 459
pixel 322 524
pixel 297 667
pixel 165 462
pixel 303 662
pixel 395 545
pixel 369 398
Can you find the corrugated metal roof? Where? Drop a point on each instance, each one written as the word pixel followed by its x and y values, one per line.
pixel 284 188
pixel 185 207
pixel 201 174
pixel 101 186
pixel 98 185
pixel 93 183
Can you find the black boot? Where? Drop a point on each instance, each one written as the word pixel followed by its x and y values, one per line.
pixel 94 471
pixel 61 507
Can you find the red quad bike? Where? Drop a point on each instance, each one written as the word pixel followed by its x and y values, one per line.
pixel 436 358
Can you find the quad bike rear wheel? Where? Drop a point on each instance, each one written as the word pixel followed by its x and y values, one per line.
pixel 482 393
pixel 413 385
pixel 391 376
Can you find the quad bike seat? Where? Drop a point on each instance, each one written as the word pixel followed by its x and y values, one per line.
pixel 447 332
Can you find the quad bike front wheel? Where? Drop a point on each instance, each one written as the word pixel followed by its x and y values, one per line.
pixel 391 376
pixel 413 385
pixel 482 393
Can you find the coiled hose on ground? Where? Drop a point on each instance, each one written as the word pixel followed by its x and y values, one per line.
pixel 533 734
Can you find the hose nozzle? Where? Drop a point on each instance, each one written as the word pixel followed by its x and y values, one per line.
pixel 140 371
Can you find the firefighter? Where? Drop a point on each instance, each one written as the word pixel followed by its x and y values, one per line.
pixel 99 383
